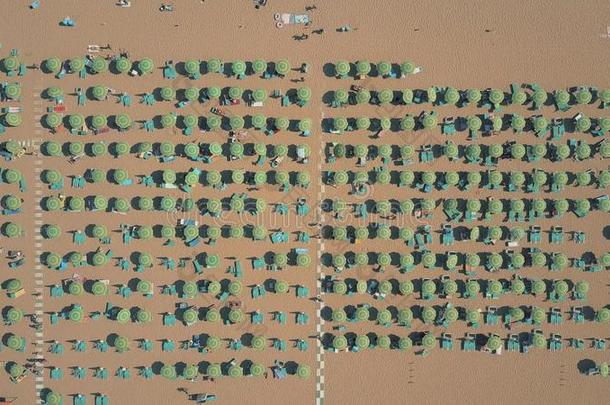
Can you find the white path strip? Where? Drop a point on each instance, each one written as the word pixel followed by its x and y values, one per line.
pixel 320 275
pixel 38 273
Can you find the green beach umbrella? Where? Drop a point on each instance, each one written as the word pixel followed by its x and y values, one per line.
pixel 385 96
pixel 405 316
pixel 191 67
pixel 214 370
pixel 428 287
pixel 304 93
pixel 169 120
pixel 76 288
pixel 190 316
pixel 583 124
pixel 146 66
pixel 604 96
pixel 384 342
pixel 258 342
pixel 236 316
pixel 168 371
pixel 363 67
pixel 51 204
pixel 451 96
pixel 76 148
pixel 517 123
pixel 407 123
pixel 52 120
pixel 407 68
pixel 495 150
pixel 339 343
pixel 214 92
pixel 582 287
pixel 362 314
pixel 121 148
pixel 603 315
pixel 99 231
pixel 428 341
pixel 429 121
pixel 384 68
pixel 583 96
pixel 496 96
pixel 11 176
pixel 13 285
pixel 121 344
pixel 12 91
pixel 259 66
pixel 259 121
pixel 52 64
pixel 168 203
pixel 123 316
pixel 214 65
pixel 122 65
pixel 191 94
pixel 51 231
pixel 99 149
pixel 236 123
pixel 363 96
pixel 519 97
pixel 473 151
pixel 405 343
pixel 12 119
pixel 517 287
pixel 123 121
pixel 562 97
pixel 256 370
pixel 76 203
pixel 99 288
pixel 342 96
pixel 53 398
pixel 16 370
pixel 76 121
pixel 99 65
pixel 540 96
pixel 494 343
pixel 339 287
pixel 450 287
pixel 282 123
pixel 145 203
pixel 191 150
pixel 473 95
pixel 76 64
pixel 190 372
pixel 76 315
pixel 303 260
pixel 339 315
pixel 167 93
pixel 259 95
pixel 235 93
pixel 282 67
pixel 342 68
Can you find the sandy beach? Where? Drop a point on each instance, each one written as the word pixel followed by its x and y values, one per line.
pixel 474 44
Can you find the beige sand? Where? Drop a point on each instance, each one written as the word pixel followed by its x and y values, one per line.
pixel 553 44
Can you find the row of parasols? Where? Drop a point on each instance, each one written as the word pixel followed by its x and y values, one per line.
pixel 562 99
pixel 473 153
pixel 121 64
pixel 167 93
pixel 445 315
pixel 445 287
pixel 473 123
pixel 451 261
pixel 123 122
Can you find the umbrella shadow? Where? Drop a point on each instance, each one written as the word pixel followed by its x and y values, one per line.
pixel 329 70
pixel 584 365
